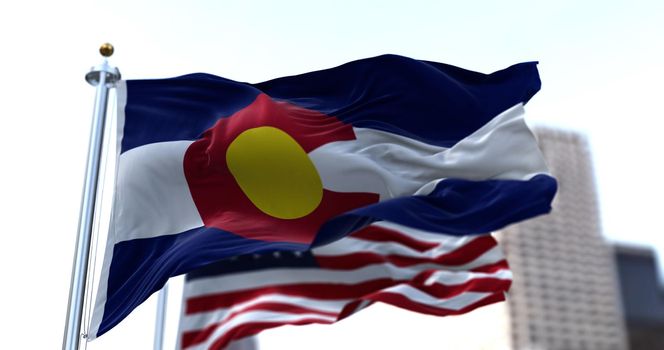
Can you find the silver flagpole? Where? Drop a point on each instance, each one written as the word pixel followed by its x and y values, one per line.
pixel 103 77
pixel 160 322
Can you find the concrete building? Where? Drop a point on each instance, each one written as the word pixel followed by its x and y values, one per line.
pixel 565 292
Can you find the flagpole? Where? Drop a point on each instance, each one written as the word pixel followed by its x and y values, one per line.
pixel 160 322
pixel 103 77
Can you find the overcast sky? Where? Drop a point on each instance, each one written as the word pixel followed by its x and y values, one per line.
pixel 600 63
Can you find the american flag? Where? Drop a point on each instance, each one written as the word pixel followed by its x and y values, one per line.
pixel 408 268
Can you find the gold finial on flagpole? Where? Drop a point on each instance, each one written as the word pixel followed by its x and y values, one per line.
pixel 111 74
pixel 106 49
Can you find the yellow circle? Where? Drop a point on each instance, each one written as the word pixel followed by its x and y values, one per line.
pixel 275 173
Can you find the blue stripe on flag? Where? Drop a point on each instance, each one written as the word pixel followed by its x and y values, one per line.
pixel 141 267
pixel 179 108
pixel 389 93
pixel 455 206
pixel 398 95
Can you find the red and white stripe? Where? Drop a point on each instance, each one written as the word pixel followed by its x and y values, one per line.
pixel 424 272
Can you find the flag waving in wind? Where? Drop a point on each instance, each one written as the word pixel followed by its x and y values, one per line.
pixel 211 168
pixel 232 299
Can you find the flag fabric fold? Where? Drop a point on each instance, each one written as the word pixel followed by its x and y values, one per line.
pixel 211 168
pixel 425 272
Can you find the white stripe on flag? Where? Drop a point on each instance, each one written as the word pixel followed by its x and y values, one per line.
pixel 393 165
pixel 450 278
pixel 152 196
pixel 201 319
pixel 263 316
pixel 456 302
pixel 426 236
pixel 286 276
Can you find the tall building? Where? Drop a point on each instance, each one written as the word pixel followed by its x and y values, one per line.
pixel 642 295
pixel 565 293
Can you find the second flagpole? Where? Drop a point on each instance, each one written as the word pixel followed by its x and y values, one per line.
pixel 160 321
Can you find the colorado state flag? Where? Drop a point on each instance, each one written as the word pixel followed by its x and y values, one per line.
pixel 211 168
